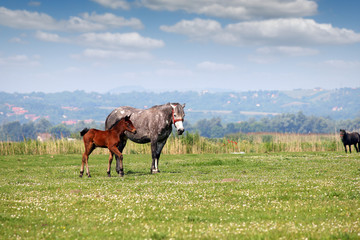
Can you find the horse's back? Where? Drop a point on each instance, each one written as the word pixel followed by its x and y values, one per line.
pixel 119 113
pixel 354 137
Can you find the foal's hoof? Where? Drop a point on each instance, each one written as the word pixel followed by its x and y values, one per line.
pixel 89 176
pixel 80 175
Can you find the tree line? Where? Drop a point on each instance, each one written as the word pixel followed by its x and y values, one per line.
pixel 283 123
pixel 210 128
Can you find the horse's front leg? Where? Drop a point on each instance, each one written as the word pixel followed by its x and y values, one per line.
pixel 120 158
pixel 111 156
pixel 350 148
pixel 154 164
pixel 345 148
pixel 159 147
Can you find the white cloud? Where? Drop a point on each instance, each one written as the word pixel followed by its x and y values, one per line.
pixel 173 73
pixel 238 9
pixel 120 40
pixel 341 64
pixel 34 3
pixel 20 60
pixel 109 19
pixel 114 4
pixel 120 55
pixel 26 20
pixel 211 66
pixel 293 31
pixel 16 40
pixel 49 37
pixel 286 50
pixel 289 32
pixel 23 19
pixel 195 29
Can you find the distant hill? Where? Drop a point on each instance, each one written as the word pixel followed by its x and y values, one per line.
pixel 70 107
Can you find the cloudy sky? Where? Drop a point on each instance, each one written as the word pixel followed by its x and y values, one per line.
pixel 239 45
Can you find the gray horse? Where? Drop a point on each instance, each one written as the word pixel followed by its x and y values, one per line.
pixel 153 125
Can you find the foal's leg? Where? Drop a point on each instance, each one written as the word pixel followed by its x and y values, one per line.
pixel 84 157
pixel 119 156
pixel 88 150
pixel 111 156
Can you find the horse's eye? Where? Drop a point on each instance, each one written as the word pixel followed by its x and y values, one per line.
pixel 174 115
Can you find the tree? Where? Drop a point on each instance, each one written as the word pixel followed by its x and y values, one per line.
pixel 29 130
pixel 43 125
pixel 12 131
pixel 60 131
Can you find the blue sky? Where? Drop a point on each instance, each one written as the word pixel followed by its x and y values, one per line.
pixel 158 45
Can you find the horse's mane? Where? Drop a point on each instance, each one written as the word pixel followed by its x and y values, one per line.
pixel 116 123
pixel 162 106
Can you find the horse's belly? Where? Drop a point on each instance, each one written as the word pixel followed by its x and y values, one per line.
pixel 137 139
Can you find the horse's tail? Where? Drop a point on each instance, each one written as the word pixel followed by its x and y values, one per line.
pixel 84 131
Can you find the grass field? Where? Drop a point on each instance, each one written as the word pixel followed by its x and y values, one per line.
pixel 226 196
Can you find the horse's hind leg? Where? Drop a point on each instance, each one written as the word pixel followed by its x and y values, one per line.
pixel 82 166
pixel 111 156
pixel 356 147
pixel 85 159
pixel 121 147
pixel 85 156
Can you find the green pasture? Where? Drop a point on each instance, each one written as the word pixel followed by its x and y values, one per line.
pixel 212 196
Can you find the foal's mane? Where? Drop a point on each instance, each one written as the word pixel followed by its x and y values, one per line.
pixel 116 122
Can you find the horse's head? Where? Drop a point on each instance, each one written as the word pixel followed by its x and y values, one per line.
pixel 129 125
pixel 178 116
pixel 342 133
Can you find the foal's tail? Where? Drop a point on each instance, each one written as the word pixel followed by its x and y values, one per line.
pixel 84 131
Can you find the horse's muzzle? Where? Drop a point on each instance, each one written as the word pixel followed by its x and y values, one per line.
pixel 180 131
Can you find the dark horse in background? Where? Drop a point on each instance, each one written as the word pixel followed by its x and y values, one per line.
pixel 350 139
pixel 153 125
pixel 110 139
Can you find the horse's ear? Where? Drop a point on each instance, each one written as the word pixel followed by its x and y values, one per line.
pixel 173 106
pixel 127 117
pixel 183 105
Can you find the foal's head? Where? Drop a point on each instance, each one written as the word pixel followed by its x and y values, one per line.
pixel 129 125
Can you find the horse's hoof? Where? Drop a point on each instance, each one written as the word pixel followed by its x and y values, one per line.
pixel 89 176
pixel 80 175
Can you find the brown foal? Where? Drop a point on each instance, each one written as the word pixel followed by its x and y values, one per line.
pixel 110 139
